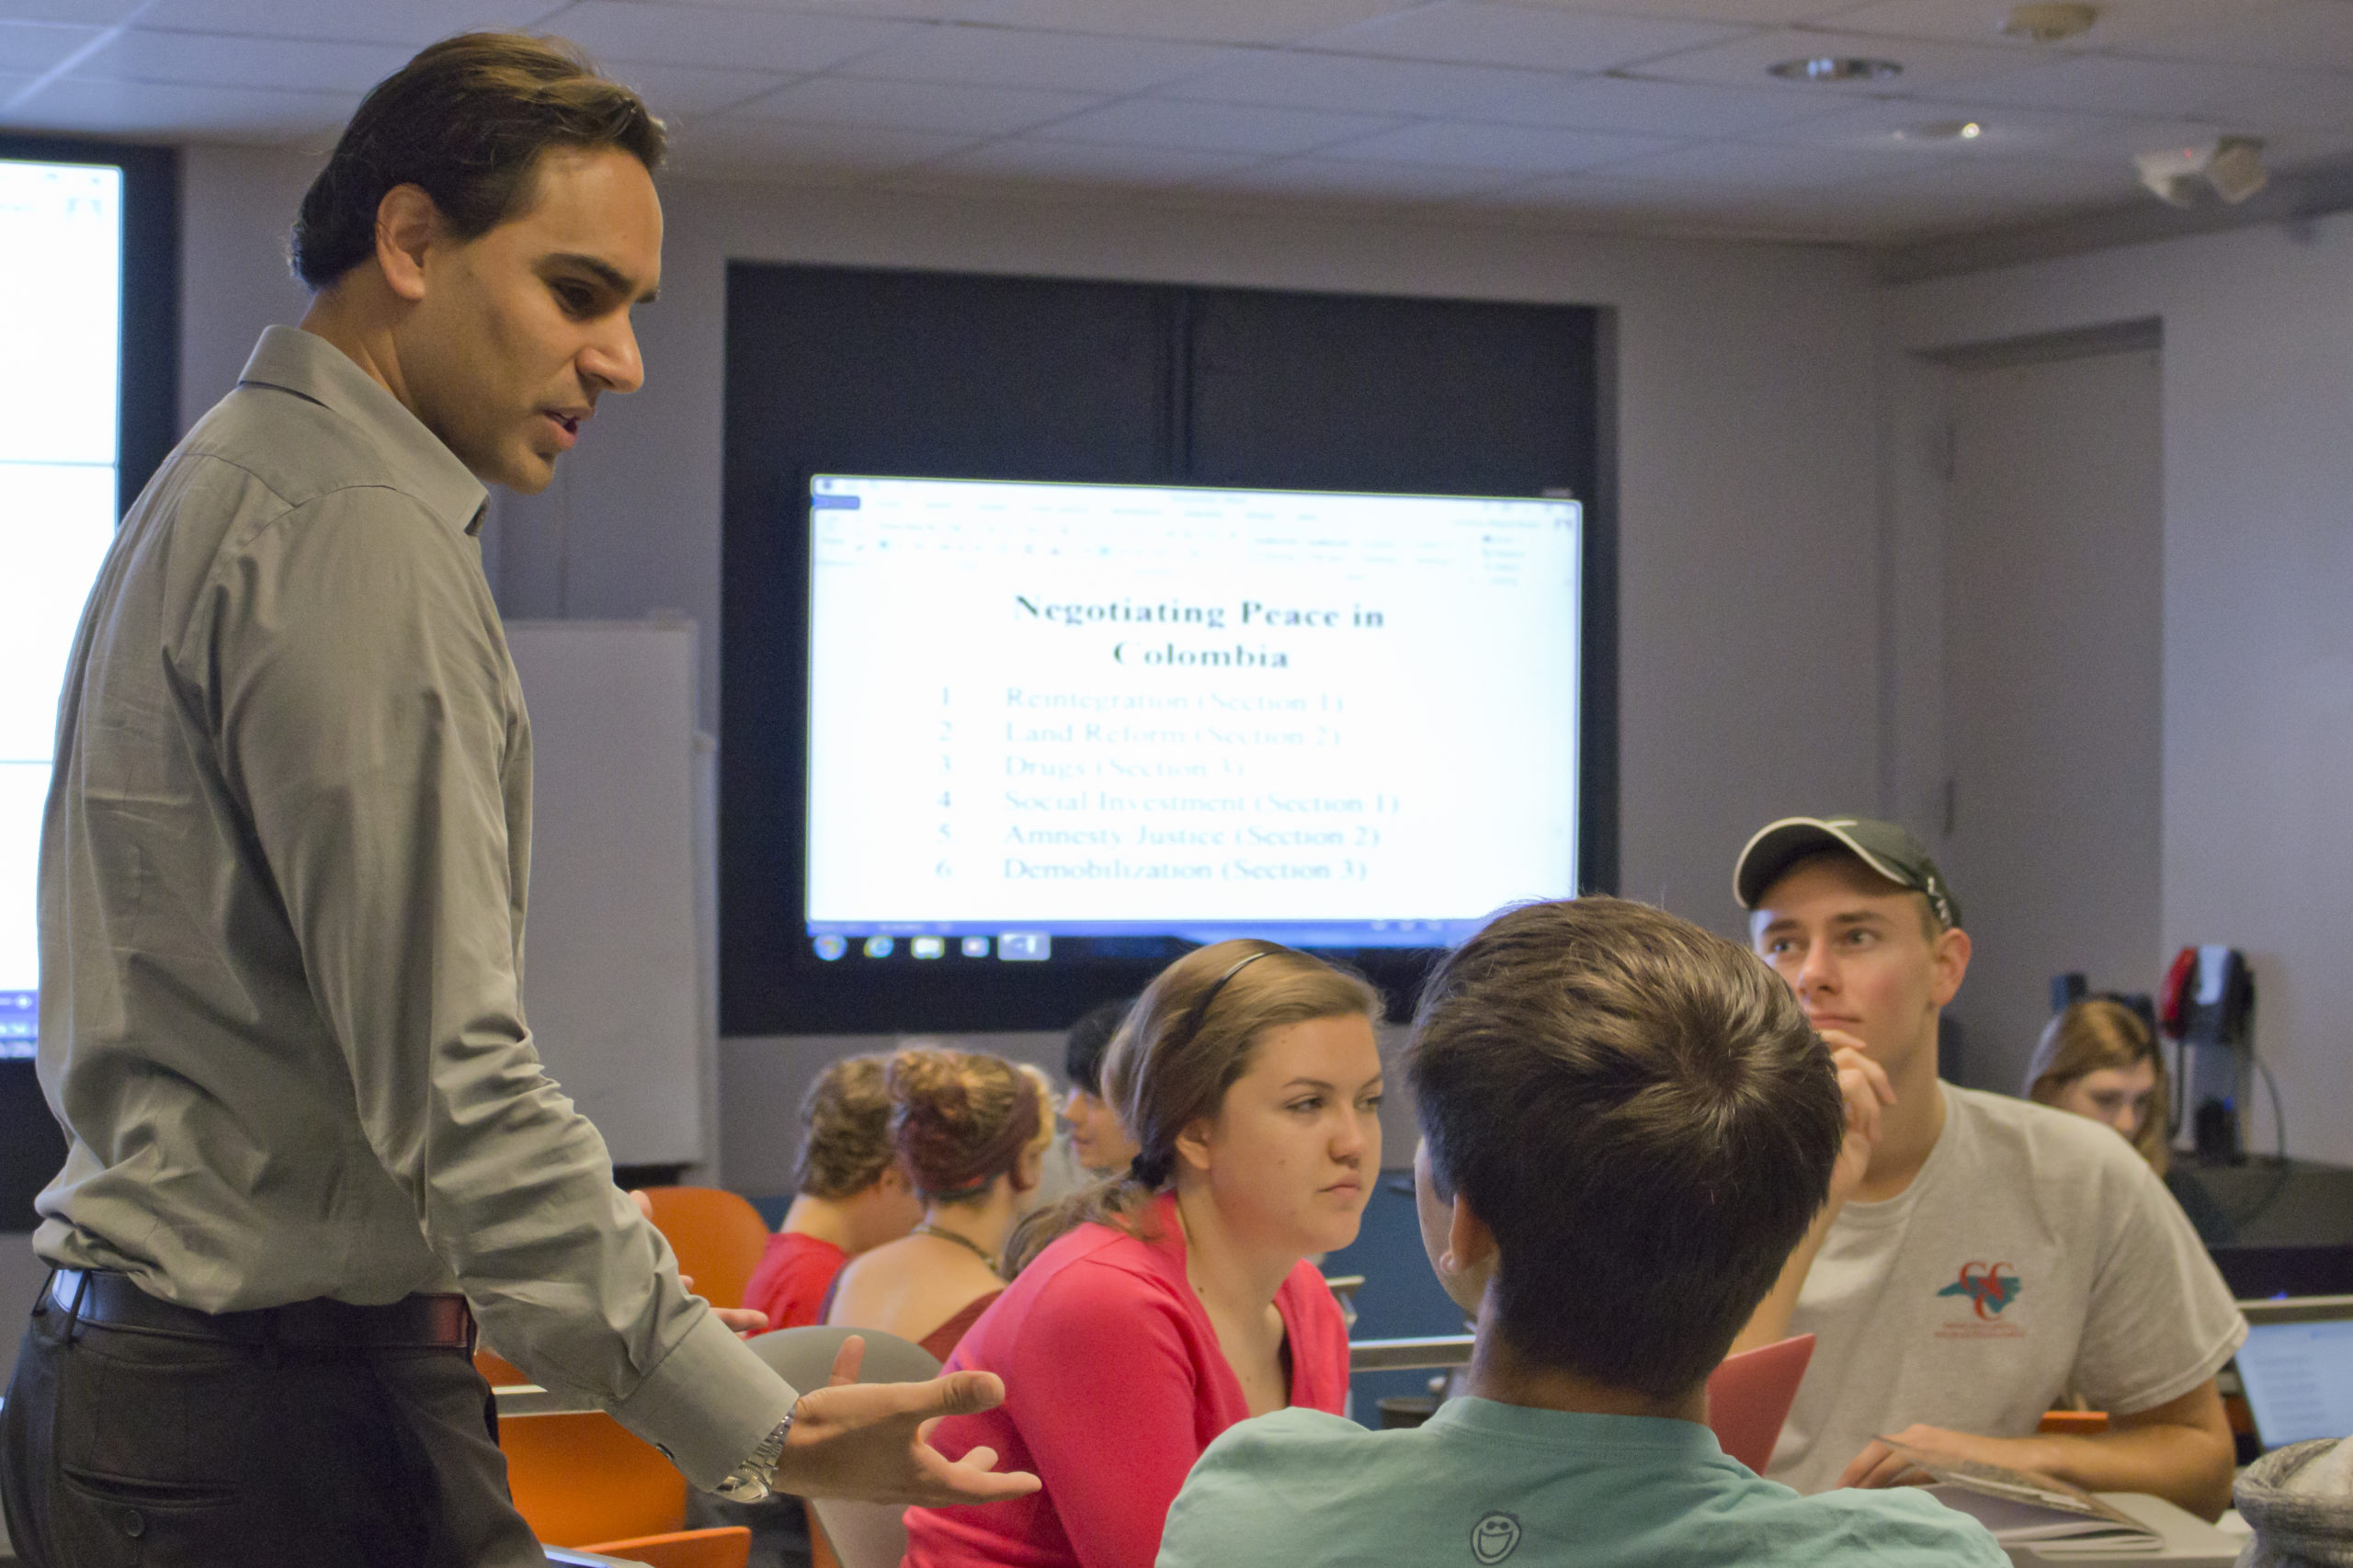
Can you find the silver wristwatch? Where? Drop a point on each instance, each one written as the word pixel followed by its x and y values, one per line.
pixel 754 1479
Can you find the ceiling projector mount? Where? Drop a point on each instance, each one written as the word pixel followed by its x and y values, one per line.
pixel 2232 166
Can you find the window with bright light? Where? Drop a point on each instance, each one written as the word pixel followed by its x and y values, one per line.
pixel 61 269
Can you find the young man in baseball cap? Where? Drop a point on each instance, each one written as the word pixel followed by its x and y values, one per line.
pixel 1979 1255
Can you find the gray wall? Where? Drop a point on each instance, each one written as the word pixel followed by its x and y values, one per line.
pixel 2257 831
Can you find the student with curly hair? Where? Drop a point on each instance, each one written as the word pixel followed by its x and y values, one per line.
pixel 971 1130
pixel 854 1194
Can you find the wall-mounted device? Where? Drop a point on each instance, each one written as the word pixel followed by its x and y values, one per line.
pixel 2207 1007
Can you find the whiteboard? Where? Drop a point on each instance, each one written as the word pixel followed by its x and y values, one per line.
pixel 614 946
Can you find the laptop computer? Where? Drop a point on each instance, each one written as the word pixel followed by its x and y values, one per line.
pixel 2297 1368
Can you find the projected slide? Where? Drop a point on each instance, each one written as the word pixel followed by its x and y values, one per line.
pixel 61 245
pixel 1046 709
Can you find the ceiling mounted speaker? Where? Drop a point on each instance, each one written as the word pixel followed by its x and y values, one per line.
pixel 2232 166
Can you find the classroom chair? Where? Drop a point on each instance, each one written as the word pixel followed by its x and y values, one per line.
pixel 719 1238
pixel 729 1546
pixel 860 1535
pixel 579 1476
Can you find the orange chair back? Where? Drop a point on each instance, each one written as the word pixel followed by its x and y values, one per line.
pixel 719 1238
pixel 580 1476
pixel 730 1547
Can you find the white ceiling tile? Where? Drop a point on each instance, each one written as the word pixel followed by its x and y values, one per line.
pixel 1361 84
pixel 727 36
pixel 175 110
pixel 2162 89
pixel 1528 149
pixel 412 22
pixel 2005 130
pixel 32 48
pixel 693 89
pixel 1746 62
pixel 1202 21
pixel 1217 127
pixel 1732 13
pixel 1749 166
pixel 1345 179
pixel 94 13
pixel 1474 33
pixel 734 141
pixel 1668 109
pixel 917 106
pixel 2119 141
pixel 219 59
pixel 1009 57
pixel 2310 34
pixel 2273 103
pixel 2121 22
pixel 1034 158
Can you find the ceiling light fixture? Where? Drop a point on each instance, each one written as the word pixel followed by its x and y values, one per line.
pixel 1836 68
pixel 2232 165
pixel 1942 131
pixel 2048 23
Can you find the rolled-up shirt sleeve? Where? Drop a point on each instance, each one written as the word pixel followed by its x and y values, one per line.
pixel 363 702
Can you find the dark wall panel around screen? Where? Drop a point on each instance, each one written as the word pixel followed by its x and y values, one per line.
pixel 892 372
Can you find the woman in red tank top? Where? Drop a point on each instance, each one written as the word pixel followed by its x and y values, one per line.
pixel 853 1194
pixel 972 1132
pixel 1150 1313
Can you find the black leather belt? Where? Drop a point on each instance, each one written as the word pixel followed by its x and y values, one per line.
pixel 109 1299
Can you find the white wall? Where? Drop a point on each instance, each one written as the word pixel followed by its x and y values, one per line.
pixel 2257 752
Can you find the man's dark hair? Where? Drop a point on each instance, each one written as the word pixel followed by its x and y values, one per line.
pixel 1639 1111
pixel 466 120
pixel 1089 1039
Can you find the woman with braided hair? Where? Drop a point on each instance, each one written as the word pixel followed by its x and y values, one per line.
pixel 1151 1312
pixel 971 1130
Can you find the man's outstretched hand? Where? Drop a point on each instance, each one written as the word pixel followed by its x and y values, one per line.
pixel 866 1441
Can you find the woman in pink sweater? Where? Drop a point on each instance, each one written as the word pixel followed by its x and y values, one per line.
pixel 1160 1308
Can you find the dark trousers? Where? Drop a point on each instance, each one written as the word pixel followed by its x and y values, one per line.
pixel 121 1446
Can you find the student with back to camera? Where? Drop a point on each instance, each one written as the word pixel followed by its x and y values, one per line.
pixel 1626 1126
pixel 971 1131
pixel 1979 1255
pixel 853 1195
pixel 1158 1309
pixel 1101 1144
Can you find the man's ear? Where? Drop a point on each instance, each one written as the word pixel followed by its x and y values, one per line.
pixel 408 224
pixel 1470 1245
pixel 1951 961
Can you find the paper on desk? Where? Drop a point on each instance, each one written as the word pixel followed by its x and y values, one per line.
pixel 2019 1506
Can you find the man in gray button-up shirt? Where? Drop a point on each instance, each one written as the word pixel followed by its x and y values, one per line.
pixel 282 907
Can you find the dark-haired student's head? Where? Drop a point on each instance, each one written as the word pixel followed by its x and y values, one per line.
pixel 1627 1126
pixel 479 235
pixel 1101 1144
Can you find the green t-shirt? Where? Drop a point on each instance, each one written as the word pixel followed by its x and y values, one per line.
pixel 1483 1485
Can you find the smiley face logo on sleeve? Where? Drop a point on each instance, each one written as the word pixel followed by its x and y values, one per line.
pixel 1495 1538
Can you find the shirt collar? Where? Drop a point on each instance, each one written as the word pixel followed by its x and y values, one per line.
pixel 309 366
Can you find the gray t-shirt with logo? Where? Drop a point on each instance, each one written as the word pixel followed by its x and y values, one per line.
pixel 2035 1253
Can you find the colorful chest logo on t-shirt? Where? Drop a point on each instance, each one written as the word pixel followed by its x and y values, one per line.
pixel 1990 1288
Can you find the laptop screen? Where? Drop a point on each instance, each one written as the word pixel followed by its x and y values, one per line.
pixel 2299 1378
